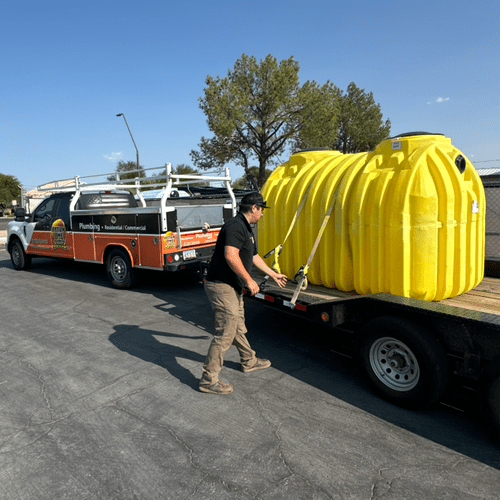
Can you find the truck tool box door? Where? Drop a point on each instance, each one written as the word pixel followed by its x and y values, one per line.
pixel 148 231
pixel 116 228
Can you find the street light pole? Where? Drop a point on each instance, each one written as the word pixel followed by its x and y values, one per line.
pixel 137 151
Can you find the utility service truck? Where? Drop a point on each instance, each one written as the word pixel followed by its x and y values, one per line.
pixel 88 220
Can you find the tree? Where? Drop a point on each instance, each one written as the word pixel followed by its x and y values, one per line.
pixel 127 170
pixel 9 189
pixel 257 110
pixel 182 168
pixel 249 181
pixel 321 128
pixel 360 123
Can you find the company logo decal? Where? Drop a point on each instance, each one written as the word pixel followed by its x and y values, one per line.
pixel 169 239
pixel 59 234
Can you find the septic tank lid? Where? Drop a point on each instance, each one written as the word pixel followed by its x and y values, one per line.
pixel 409 134
pixel 313 149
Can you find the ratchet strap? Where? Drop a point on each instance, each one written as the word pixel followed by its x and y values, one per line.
pixel 300 277
pixel 277 250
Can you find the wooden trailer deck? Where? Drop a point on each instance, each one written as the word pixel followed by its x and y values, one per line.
pixel 484 298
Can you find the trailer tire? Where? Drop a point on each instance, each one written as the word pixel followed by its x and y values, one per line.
pixel 403 362
pixel 20 260
pixel 489 395
pixel 119 269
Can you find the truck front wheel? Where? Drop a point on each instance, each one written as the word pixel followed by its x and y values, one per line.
pixel 20 260
pixel 119 269
pixel 403 362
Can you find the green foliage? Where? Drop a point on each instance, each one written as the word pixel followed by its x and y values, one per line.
pixel 319 128
pixel 257 110
pixel 9 189
pixel 182 168
pixel 249 180
pixel 360 123
pixel 127 170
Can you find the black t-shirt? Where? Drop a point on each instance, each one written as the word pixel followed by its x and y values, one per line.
pixel 236 232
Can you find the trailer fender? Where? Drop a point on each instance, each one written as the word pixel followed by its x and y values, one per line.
pixel 403 361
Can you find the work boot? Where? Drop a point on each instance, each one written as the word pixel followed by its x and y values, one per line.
pixel 218 388
pixel 259 365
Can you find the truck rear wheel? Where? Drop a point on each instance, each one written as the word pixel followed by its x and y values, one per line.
pixel 404 363
pixel 20 260
pixel 119 269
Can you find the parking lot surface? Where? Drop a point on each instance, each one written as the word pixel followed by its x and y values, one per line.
pixel 99 400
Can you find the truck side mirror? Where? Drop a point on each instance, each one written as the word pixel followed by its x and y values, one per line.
pixel 20 215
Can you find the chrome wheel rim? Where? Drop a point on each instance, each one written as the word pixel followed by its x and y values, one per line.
pixel 394 364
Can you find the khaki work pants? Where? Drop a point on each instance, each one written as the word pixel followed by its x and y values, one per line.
pixel 229 317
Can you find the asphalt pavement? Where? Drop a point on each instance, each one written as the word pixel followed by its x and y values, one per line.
pixel 99 400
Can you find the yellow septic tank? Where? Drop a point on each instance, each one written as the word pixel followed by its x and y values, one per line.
pixel 407 219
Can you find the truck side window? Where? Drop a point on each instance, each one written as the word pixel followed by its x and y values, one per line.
pixel 44 209
pixel 63 211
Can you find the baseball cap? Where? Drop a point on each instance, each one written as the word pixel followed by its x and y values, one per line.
pixel 254 199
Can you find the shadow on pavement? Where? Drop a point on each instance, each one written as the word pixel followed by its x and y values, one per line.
pixel 144 344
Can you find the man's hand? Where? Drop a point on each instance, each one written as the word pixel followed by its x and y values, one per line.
pixel 252 287
pixel 280 279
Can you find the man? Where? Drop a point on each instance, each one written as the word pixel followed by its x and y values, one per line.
pixel 229 272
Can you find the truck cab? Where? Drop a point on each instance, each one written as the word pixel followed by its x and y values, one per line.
pixel 35 230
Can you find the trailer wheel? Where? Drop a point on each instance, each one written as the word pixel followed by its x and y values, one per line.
pixel 404 363
pixel 119 269
pixel 489 394
pixel 20 260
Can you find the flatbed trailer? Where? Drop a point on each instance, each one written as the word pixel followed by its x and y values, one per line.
pixel 409 349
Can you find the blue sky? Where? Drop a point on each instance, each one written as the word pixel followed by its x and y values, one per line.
pixel 68 67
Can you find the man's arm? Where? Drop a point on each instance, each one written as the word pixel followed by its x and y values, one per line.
pixel 232 256
pixel 279 278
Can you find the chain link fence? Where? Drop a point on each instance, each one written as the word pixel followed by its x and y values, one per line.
pixel 492 243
